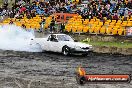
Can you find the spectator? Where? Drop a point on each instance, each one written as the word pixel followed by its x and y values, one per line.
pixel 28 15
pixel 11 14
pixel 126 14
pixel 42 25
pixel 11 22
pixel 33 13
pixel 129 4
pixel 62 27
pixel 23 26
pixel 109 17
pixel 115 16
pixel 52 24
pixel 99 15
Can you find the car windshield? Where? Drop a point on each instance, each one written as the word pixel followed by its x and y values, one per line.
pixel 64 38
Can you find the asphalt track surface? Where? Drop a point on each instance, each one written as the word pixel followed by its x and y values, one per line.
pixel 53 70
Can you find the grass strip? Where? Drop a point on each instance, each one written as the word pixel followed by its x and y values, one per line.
pixel 111 44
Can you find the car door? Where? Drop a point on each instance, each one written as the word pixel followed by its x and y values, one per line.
pixel 46 43
pixel 53 44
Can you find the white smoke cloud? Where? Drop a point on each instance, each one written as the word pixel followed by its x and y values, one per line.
pixel 17 39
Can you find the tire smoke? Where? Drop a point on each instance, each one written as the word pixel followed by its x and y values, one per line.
pixel 16 38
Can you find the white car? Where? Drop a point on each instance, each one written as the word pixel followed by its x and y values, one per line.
pixel 62 43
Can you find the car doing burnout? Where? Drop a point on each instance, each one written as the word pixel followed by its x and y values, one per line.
pixel 62 43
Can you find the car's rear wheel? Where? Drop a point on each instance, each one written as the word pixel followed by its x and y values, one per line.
pixel 66 50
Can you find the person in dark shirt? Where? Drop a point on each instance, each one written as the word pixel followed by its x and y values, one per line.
pixel 63 9
pixel 62 27
pixel 53 38
pixel 23 26
pixel 94 10
pixel 33 13
pixel 109 17
pixel 28 14
pixel 12 14
pixel 1 9
pixel 129 5
pixel 52 24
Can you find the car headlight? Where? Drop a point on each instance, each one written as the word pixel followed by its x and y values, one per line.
pixel 77 47
pixel 90 47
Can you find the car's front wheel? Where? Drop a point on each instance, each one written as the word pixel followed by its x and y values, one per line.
pixel 66 50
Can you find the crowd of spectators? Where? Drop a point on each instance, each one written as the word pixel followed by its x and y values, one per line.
pixel 42 8
pixel 109 9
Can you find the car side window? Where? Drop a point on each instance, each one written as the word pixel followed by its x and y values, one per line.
pixel 52 38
